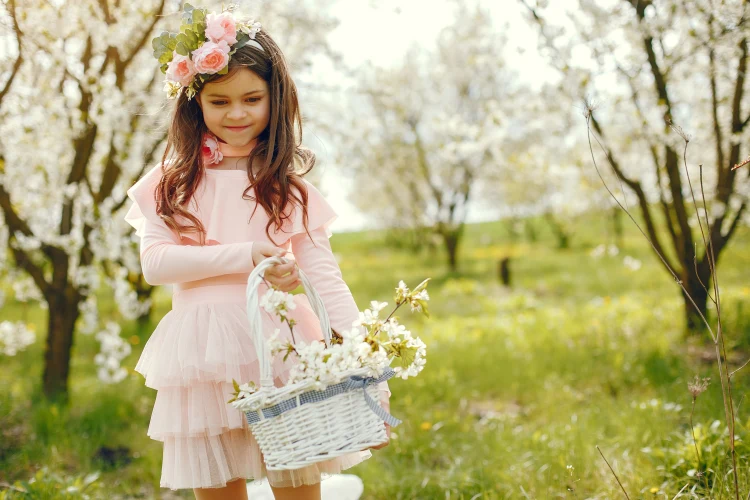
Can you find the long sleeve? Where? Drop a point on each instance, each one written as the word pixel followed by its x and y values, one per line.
pixel 165 261
pixel 316 259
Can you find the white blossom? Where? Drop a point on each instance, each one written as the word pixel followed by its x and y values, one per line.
pixel 277 302
pixel 15 337
pixel 113 350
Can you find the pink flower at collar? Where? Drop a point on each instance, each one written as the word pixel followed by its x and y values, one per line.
pixel 211 150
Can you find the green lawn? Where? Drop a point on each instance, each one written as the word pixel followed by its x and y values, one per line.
pixel 520 387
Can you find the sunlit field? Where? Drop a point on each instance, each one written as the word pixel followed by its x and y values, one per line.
pixel 521 384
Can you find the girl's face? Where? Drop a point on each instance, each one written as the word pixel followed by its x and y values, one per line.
pixel 236 109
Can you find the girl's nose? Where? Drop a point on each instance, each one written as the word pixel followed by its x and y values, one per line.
pixel 236 112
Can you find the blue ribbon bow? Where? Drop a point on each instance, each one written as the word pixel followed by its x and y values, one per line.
pixel 357 382
pixel 351 384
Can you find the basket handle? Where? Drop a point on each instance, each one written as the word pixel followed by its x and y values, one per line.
pixel 256 323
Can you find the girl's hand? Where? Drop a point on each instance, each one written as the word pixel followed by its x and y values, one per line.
pixel 387 433
pixel 386 404
pixel 283 276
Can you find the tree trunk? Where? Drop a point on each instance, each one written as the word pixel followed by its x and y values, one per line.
pixel 451 239
pixel 63 312
pixel 504 271
pixel 617 226
pixel 563 237
pixel 693 322
pixel 530 230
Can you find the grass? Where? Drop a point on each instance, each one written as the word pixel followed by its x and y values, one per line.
pixel 520 387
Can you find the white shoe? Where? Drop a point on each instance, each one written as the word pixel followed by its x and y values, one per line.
pixel 336 487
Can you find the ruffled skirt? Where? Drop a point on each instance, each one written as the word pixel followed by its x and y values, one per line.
pixel 191 358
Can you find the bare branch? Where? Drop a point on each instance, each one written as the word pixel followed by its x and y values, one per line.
pixel 613 472
pixel 19 59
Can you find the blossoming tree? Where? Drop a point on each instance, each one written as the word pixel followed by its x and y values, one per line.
pixel 83 110
pixel 657 63
pixel 431 125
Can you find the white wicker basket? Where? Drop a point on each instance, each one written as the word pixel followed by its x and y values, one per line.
pixel 297 425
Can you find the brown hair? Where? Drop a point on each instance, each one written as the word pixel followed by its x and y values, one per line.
pixel 277 147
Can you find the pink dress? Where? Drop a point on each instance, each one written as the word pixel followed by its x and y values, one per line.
pixel 203 342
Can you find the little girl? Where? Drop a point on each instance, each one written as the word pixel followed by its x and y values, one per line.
pixel 228 193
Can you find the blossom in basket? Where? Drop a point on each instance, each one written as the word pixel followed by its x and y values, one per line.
pixel 242 391
pixel 221 27
pixel 181 69
pixel 369 317
pixel 418 359
pixel 326 366
pixel 278 302
pixel 417 300
pixel 407 352
pixel 274 344
pixel 247 389
pixel 211 57
pixel 402 291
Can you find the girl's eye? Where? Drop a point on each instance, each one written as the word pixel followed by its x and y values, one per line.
pixel 220 103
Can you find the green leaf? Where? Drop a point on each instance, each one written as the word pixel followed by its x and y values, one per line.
pixel 242 39
pixel 181 49
pixel 382 337
pixel 224 70
pixel 405 357
pixel 235 385
pixel 424 308
pixel 199 15
pixel 194 40
pixel 421 286
pixel 164 68
pixel 165 57
pixel 188 8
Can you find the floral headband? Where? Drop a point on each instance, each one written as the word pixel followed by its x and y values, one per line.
pixel 201 48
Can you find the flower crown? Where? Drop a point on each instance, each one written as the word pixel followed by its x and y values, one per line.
pixel 201 48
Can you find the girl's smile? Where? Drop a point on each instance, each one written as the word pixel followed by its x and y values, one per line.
pixel 237 129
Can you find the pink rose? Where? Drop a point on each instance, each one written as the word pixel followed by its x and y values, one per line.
pixel 211 150
pixel 181 70
pixel 221 27
pixel 211 57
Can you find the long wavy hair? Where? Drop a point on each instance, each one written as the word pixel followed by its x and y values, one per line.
pixel 278 149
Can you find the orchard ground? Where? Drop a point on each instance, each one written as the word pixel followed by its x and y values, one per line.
pixel 520 387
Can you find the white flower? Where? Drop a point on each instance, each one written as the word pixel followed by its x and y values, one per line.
pixel 631 263
pixel 113 350
pixel 15 337
pixel 376 306
pixel 278 302
pixel 402 291
pixel 598 251
pixel 367 318
pixel 251 28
